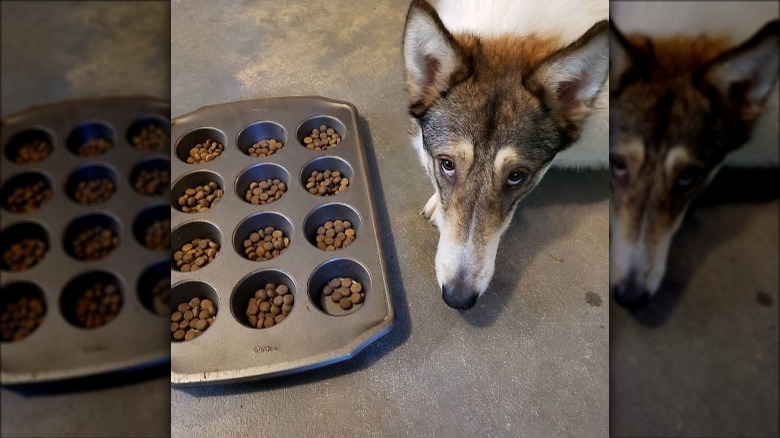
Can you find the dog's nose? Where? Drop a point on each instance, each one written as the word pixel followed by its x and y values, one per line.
pixel 630 295
pixel 459 297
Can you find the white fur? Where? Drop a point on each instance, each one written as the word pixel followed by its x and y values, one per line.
pixel 737 20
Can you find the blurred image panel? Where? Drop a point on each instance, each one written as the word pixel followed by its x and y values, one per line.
pixel 85 222
pixel 694 218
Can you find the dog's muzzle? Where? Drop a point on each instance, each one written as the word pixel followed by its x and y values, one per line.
pixel 629 294
pixel 459 296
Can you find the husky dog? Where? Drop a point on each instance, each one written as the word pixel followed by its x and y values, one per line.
pixel 497 89
pixel 680 104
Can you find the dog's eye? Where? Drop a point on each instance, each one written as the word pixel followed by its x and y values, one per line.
pixel 515 178
pixel 618 169
pixel 686 178
pixel 448 167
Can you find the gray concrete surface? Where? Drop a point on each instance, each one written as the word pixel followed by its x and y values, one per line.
pixel 54 51
pixel 529 360
pixel 702 358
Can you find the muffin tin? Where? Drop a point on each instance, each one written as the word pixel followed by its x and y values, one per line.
pixel 57 348
pixel 312 335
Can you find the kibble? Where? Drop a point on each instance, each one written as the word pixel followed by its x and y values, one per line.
pixel 270 305
pixel 151 137
pixel 333 235
pixel 326 183
pixel 346 292
pixel 322 138
pixel 265 147
pixel 94 191
pixel 95 243
pixel 161 296
pixel 191 318
pixel 24 254
pixel 20 317
pixel 200 198
pixel 265 244
pixel 152 182
pixel 205 152
pixel 94 147
pixel 32 152
pixel 195 255
pixel 265 191
pixel 28 198
pixel 98 305
pixel 158 235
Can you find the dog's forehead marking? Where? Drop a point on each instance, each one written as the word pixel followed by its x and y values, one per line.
pixel 506 154
pixel 676 157
pixel 464 149
pixel 634 148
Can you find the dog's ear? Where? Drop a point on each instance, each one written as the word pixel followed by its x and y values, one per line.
pixel 433 59
pixel 569 81
pixel 625 57
pixel 744 76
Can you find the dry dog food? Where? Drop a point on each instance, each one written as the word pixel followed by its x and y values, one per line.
pixel 94 147
pixel 94 191
pixel 205 152
pixel 24 254
pixel 158 235
pixel 322 138
pixel 161 296
pixel 33 152
pixel 152 182
pixel 326 183
pixel 98 305
pixel 20 318
pixel 200 198
pixel 196 254
pixel 265 192
pixel 151 137
pixel 345 291
pixel 28 198
pixel 265 147
pixel 192 318
pixel 270 305
pixel 95 243
pixel 265 244
pixel 333 235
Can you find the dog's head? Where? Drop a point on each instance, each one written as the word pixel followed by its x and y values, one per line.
pixel 491 114
pixel 678 107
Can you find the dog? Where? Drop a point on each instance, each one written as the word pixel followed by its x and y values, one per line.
pixel 682 105
pixel 500 91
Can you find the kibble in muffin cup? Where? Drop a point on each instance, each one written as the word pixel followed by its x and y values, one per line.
pixel 91 139
pixel 22 310
pixel 261 139
pixel 30 146
pixel 201 145
pixel 22 246
pixel 339 287
pixel 263 299
pixel 194 308
pixel 92 300
pixel 332 227
pixel 263 236
pixel 26 192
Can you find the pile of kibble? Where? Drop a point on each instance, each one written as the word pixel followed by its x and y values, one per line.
pixel 153 182
pixel 322 138
pixel 333 235
pixel 192 319
pixel 200 198
pixel 24 254
pixel 94 191
pixel 265 244
pixel 161 296
pixel 94 147
pixel 205 152
pixel 28 198
pixel 270 305
pixel 94 243
pixel 196 254
pixel 21 317
pixel 347 292
pixel 265 191
pixel 326 183
pixel 33 152
pixel 265 148
pixel 98 305
pixel 158 235
pixel 151 137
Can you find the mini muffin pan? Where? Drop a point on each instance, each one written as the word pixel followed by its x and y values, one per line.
pixel 312 335
pixel 59 348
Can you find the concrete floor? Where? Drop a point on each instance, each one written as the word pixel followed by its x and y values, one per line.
pixel 68 50
pixel 531 359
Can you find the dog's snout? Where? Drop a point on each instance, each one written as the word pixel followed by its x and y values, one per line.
pixel 630 294
pixel 459 296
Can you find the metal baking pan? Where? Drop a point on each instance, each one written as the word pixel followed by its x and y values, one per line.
pixel 230 350
pixel 58 349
